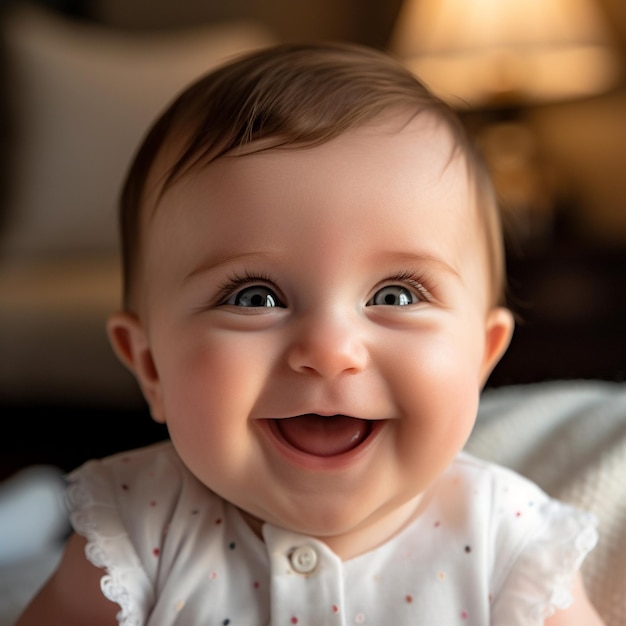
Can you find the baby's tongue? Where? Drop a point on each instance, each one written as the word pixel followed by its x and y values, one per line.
pixel 321 435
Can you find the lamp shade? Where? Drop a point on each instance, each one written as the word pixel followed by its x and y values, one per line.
pixel 477 52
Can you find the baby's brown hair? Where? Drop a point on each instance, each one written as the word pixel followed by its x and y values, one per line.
pixel 291 95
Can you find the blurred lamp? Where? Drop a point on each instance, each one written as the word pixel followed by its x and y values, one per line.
pixel 493 58
pixel 485 52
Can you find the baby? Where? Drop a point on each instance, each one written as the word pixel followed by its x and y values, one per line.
pixel 313 275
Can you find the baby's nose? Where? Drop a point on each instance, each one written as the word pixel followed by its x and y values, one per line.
pixel 328 345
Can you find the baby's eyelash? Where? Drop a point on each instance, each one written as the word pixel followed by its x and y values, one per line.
pixel 234 281
pixel 419 281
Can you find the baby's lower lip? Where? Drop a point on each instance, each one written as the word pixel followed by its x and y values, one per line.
pixel 322 436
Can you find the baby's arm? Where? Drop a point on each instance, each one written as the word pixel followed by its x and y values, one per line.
pixel 72 596
pixel 580 613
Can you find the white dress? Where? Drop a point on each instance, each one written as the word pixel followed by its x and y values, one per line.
pixel 489 548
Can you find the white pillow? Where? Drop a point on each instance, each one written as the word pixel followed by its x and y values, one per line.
pixel 83 96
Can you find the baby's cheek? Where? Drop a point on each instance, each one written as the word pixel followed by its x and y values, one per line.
pixel 433 364
pixel 438 393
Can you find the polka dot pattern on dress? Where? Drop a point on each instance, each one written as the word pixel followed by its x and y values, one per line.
pixel 446 542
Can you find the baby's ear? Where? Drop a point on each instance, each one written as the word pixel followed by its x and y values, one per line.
pixel 498 332
pixel 130 343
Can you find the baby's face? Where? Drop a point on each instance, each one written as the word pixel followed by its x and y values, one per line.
pixel 319 326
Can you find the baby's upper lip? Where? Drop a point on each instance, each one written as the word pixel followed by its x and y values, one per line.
pixel 330 415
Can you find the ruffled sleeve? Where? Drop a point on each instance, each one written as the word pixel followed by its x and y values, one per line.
pixel 543 545
pixel 106 500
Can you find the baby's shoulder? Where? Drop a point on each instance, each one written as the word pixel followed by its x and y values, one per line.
pixel 148 487
pixel 501 486
pixel 143 494
pixel 141 513
pixel 503 510
pixel 532 540
pixel 153 476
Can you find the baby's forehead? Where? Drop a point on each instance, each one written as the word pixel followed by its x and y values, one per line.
pixel 395 161
pixel 400 153
pixel 402 126
pixel 391 157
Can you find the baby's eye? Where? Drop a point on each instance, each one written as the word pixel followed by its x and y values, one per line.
pixel 255 296
pixel 393 295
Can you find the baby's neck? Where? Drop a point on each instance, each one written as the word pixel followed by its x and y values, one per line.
pixel 360 540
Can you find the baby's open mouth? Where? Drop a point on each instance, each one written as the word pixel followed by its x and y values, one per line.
pixel 323 435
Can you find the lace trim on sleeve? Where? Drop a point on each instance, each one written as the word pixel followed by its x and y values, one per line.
pixel 542 577
pixel 108 544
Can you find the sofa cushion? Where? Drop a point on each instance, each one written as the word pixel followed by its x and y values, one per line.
pixel 82 97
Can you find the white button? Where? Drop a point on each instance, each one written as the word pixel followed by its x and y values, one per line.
pixel 303 559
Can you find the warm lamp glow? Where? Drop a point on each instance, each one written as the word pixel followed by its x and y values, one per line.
pixel 476 52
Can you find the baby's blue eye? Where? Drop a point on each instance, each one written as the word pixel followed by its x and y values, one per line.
pixel 393 295
pixel 255 296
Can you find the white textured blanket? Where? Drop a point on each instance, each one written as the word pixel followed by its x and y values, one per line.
pixel 570 438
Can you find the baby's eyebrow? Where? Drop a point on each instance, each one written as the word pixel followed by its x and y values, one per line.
pixel 217 260
pixel 421 258
pixel 405 258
